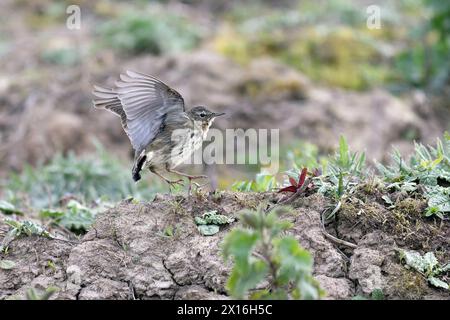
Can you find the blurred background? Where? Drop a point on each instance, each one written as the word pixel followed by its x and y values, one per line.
pixel 312 68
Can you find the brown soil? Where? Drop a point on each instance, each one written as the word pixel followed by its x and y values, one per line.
pixel 126 254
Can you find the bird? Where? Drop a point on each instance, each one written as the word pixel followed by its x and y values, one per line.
pixel 162 132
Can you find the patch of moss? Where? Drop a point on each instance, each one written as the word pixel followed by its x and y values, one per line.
pixel 404 221
pixel 409 285
pixel 411 208
pixel 407 215
pixel 371 215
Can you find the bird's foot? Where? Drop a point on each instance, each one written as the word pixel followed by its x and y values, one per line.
pixel 198 186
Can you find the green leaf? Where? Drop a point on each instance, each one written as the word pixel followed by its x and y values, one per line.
pixel 260 295
pixel 7 264
pixel 438 283
pixel 211 217
pixel 377 294
pixel 446 268
pixel 78 217
pixel 343 152
pixel 13 223
pixel 358 297
pixel 168 231
pixel 440 199
pixel 239 243
pixel 427 264
pixel 340 190
pixel 31 294
pixel 9 208
pixel 48 293
pixel 208 230
pixel 431 211
pixel 251 219
pixel 241 280
pixel 262 183
pixel 430 261
pixel 242 186
pixel 307 290
pixel 51 214
pixel 292 259
pixel 387 199
pixel 199 221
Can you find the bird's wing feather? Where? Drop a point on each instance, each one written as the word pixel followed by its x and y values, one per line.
pixel 107 99
pixel 146 102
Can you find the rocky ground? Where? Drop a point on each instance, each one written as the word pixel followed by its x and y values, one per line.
pixel 128 255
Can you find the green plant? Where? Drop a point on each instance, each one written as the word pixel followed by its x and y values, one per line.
pixel 376 294
pixel 33 294
pixel 168 231
pixel 19 228
pixel 209 223
pixel 8 208
pixel 7 264
pixel 75 217
pixel 429 168
pixel 342 173
pixel 260 252
pixel 427 265
pixel 150 32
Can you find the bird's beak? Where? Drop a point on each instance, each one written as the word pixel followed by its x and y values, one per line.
pixel 218 114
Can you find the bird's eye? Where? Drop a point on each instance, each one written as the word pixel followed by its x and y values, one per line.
pixel 202 114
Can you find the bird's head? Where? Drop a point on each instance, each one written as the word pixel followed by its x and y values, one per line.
pixel 203 115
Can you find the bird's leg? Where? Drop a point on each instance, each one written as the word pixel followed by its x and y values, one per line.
pixel 190 177
pixel 170 182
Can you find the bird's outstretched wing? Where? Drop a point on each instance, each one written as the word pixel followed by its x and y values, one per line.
pixel 143 102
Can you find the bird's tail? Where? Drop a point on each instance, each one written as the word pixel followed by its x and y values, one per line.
pixel 137 166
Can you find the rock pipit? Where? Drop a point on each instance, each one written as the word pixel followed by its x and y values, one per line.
pixel 163 134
